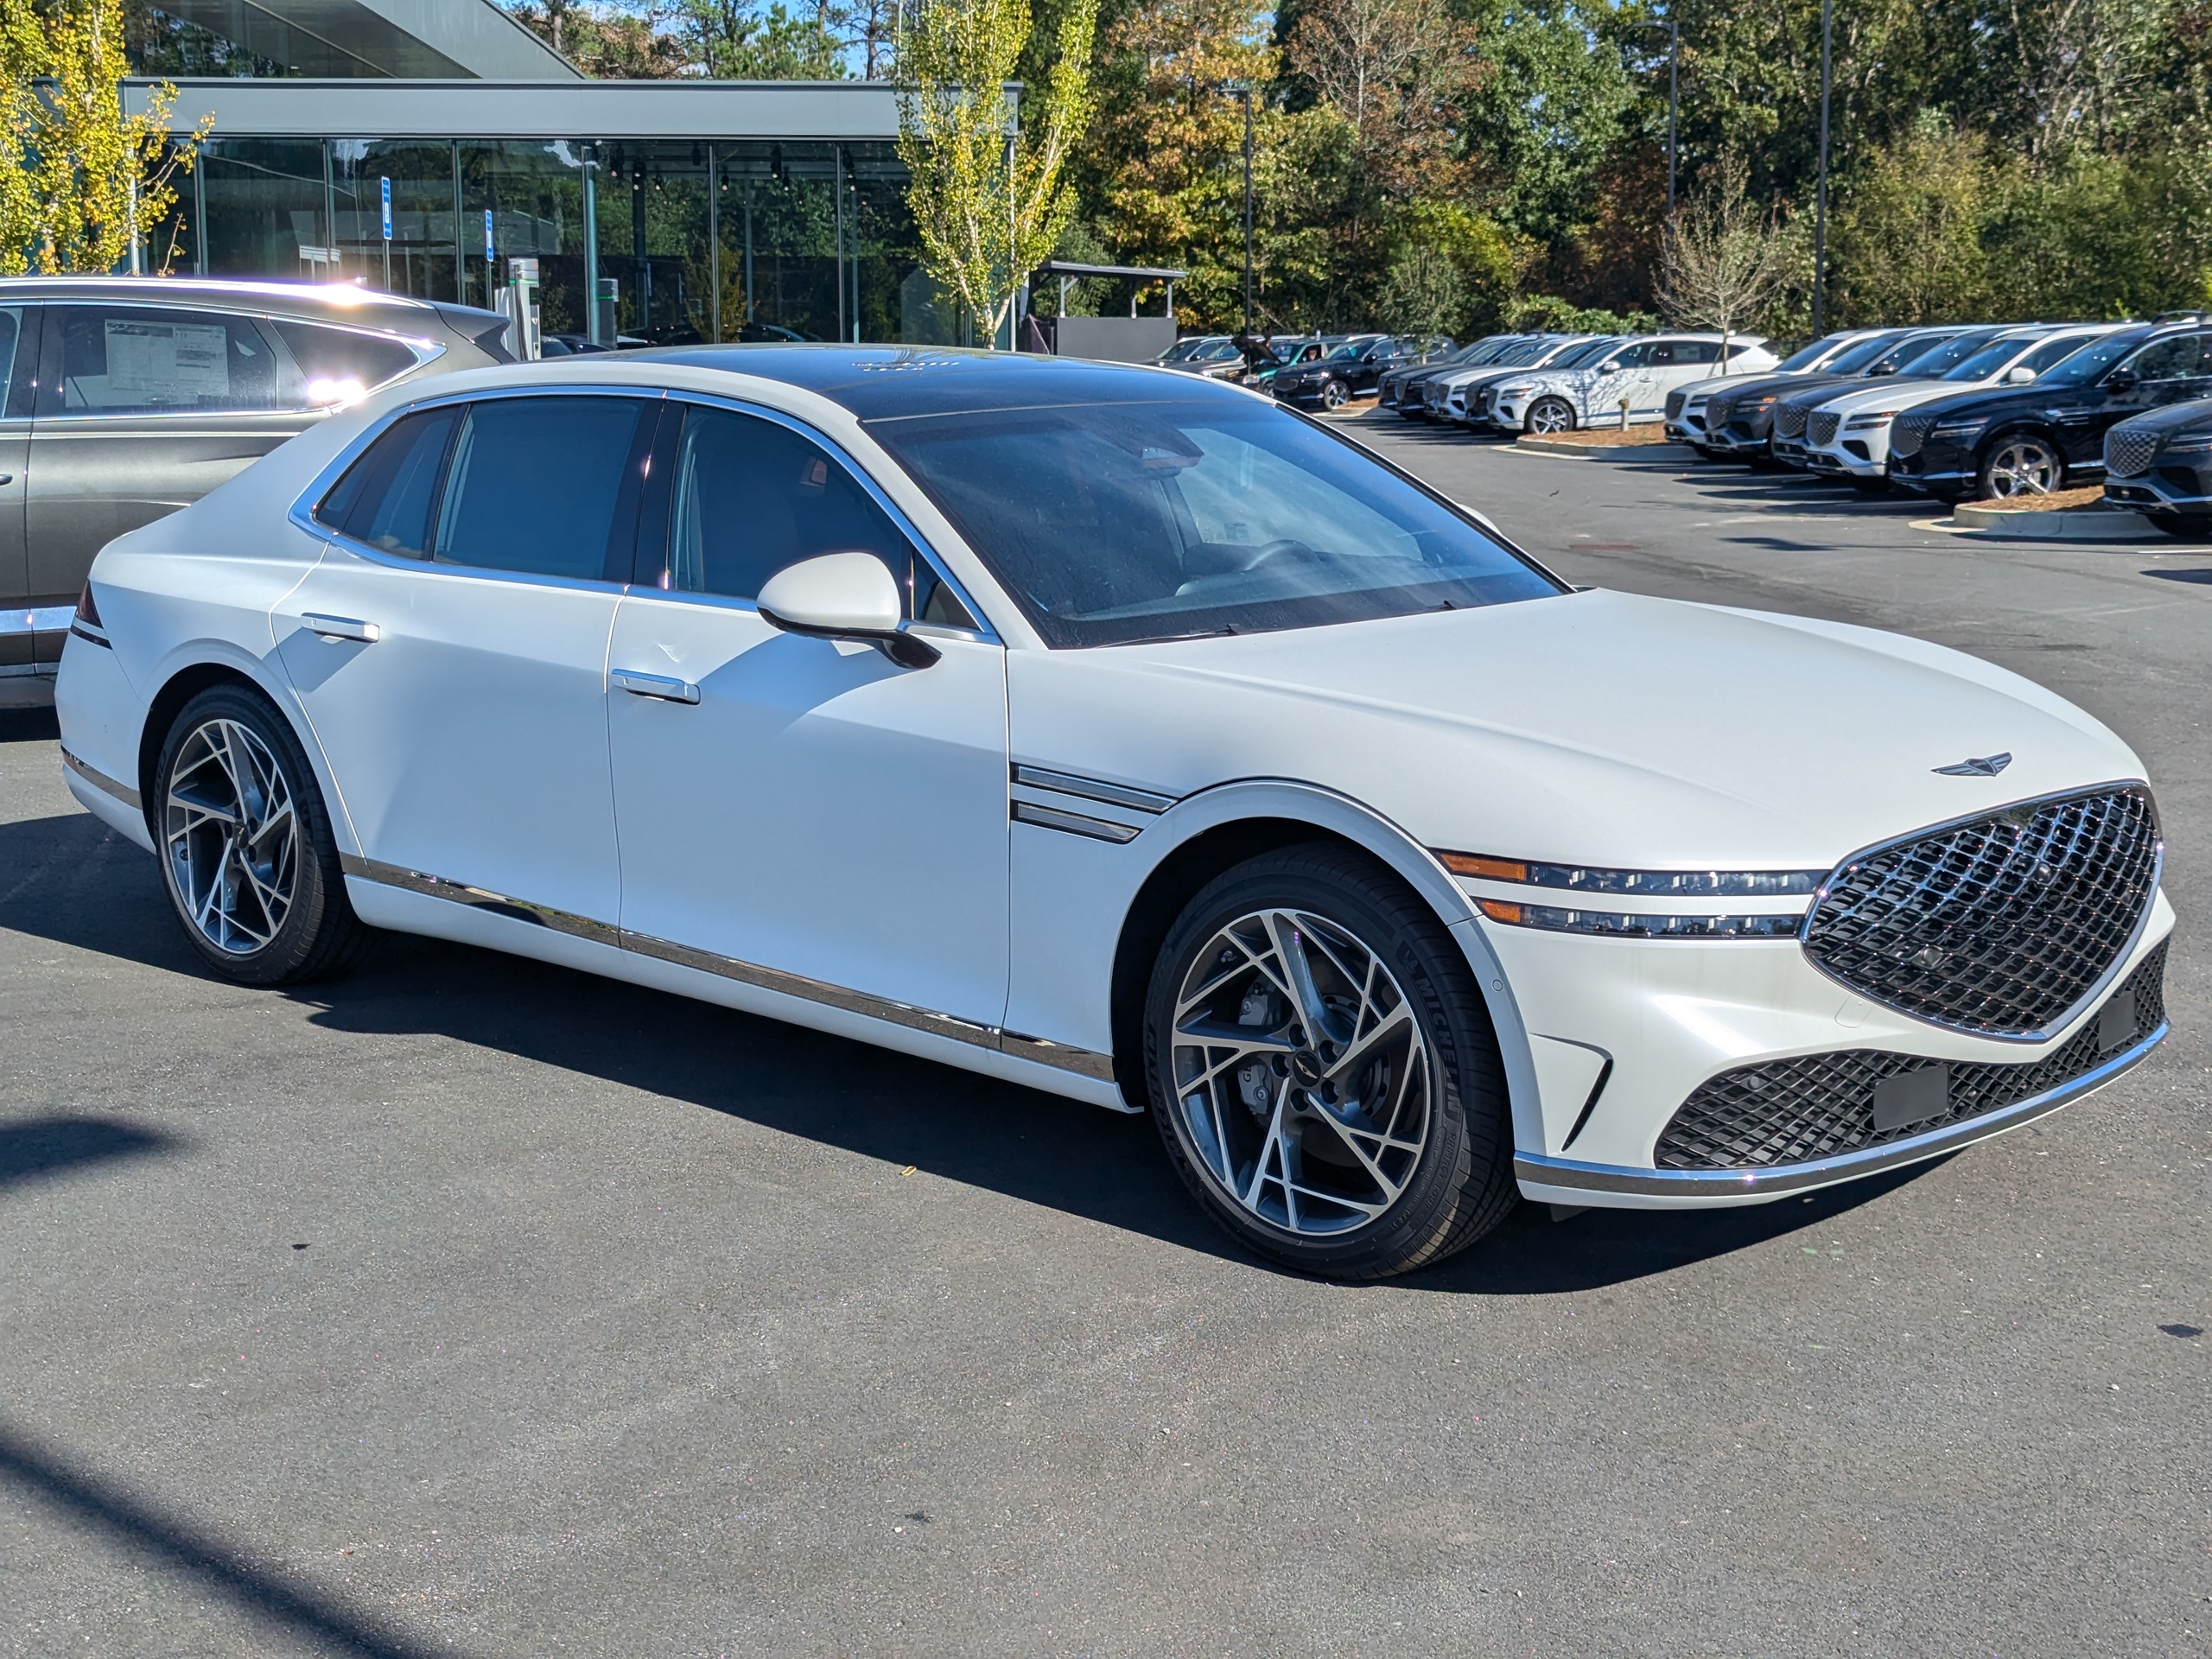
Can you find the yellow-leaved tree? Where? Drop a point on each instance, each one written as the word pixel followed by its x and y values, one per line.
pixel 989 202
pixel 79 177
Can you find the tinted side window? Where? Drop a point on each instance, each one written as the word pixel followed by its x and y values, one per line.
pixel 1634 357
pixel 386 497
pixel 336 365
pixel 750 496
pixel 1664 353
pixel 2166 359
pixel 535 485
pixel 145 360
pixel 1699 351
pixel 15 344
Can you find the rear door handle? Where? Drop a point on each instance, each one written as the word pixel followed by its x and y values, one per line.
pixel 342 628
pixel 656 685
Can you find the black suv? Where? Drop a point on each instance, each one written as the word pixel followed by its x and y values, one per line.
pixel 2029 440
pixel 2160 464
pixel 1355 367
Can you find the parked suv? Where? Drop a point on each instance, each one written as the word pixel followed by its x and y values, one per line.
pixel 1921 354
pixel 1400 389
pixel 2161 465
pixel 1354 367
pixel 1687 406
pixel 1740 421
pixel 126 397
pixel 2032 440
pixel 1452 395
pixel 1624 384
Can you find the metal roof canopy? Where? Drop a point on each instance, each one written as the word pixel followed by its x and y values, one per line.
pixel 1069 272
pixel 382 39
pixel 592 109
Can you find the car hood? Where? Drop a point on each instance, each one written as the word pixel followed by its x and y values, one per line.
pixel 1593 726
pixel 1899 395
pixel 1994 401
pixel 2175 417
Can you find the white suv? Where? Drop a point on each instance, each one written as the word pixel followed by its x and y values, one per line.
pixel 1848 436
pixel 1624 386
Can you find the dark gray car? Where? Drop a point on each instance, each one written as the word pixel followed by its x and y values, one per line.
pixel 128 397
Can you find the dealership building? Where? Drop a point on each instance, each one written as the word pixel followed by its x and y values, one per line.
pixel 418 145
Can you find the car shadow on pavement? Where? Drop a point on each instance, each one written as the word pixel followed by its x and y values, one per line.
pixel 106 895
pixel 28 726
pixel 39 1147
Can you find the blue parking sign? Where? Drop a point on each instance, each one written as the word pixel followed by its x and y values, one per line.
pixel 386 183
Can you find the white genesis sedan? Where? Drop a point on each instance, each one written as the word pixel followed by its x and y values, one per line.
pixel 1130 737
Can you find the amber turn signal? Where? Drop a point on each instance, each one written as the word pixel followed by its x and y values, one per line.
pixel 1494 869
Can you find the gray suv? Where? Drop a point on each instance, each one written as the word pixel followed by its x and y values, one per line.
pixel 128 397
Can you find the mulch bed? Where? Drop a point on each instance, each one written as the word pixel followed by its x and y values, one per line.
pixel 2057 501
pixel 1612 437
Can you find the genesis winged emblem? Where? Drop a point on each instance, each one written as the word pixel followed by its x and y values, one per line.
pixel 1986 765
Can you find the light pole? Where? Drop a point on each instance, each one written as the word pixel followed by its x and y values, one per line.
pixel 1242 91
pixel 1821 197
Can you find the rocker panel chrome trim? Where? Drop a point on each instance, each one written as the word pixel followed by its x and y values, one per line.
pixel 1059 1056
pixel 1539 1171
pixel 102 782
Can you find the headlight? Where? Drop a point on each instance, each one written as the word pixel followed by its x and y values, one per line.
pixel 1653 884
pixel 1514 392
pixel 1860 423
pixel 1958 428
pixel 2189 443
pixel 1767 402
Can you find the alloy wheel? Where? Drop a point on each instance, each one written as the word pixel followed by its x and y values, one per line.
pixel 2022 466
pixel 1305 1082
pixel 1333 394
pixel 231 837
pixel 1550 416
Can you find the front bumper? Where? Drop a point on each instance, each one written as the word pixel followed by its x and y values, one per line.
pixel 1849 458
pixel 2173 487
pixel 1638 1045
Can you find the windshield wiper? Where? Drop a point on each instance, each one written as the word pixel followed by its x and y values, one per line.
pixel 1170 638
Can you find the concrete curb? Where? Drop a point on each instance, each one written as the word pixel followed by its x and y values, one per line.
pixel 2065 524
pixel 1668 451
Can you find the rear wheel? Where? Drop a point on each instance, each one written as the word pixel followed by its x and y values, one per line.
pixel 1323 1069
pixel 247 850
pixel 1549 416
pixel 2020 463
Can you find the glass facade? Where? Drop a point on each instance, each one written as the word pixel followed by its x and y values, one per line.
pixel 696 239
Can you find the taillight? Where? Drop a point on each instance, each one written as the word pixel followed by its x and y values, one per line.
pixel 88 611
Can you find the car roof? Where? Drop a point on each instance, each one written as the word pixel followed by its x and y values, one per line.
pixel 331 300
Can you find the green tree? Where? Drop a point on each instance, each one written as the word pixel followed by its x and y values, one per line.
pixel 1908 235
pixel 988 203
pixel 738 39
pixel 79 177
pixel 1724 263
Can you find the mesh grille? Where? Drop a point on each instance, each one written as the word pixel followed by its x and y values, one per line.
pixel 1908 433
pixel 1997 926
pixel 2129 452
pixel 1788 420
pixel 1821 1105
pixel 1677 400
pixel 1823 427
pixel 1484 398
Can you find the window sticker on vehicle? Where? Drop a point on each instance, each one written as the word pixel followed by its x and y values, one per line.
pixel 166 362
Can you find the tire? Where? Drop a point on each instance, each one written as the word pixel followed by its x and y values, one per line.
pixel 2020 463
pixel 1299 1174
pixel 1870 486
pixel 2183 526
pixel 1333 394
pixel 1547 417
pixel 265 906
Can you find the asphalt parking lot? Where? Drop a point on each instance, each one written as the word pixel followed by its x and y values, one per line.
pixel 472 1306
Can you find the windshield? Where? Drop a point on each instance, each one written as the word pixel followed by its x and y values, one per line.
pixel 1527 352
pixel 1589 352
pixel 1938 359
pixel 1114 522
pixel 1182 349
pixel 1990 358
pixel 1351 348
pixel 1862 355
pixel 1219 353
pixel 2092 360
pixel 1805 356
pixel 1483 350
pixel 1894 360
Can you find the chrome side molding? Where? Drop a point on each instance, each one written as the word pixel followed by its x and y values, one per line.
pixel 102 782
pixel 1061 1057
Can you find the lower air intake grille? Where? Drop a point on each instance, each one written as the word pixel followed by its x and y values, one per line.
pixel 2127 454
pixel 1908 433
pixel 1788 420
pixel 1821 1105
pixel 1996 926
pixel 1822 428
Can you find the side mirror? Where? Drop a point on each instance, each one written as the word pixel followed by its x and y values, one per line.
pixel 844 596
pixel 1612 366
pixel 2018 375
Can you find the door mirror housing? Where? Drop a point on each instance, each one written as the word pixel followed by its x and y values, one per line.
pixel 844 596
pixel 2018 375
pixel 1611 366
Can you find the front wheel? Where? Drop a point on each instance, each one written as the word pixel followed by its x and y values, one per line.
pixel 247 850
pixel 1549 416
pixel 1333 395
pixel 2021 463
pixel 1323 1071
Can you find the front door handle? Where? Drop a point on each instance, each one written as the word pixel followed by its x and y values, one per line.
pixel 342 628
pixel 656 685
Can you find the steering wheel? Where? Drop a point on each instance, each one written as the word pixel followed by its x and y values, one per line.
pixel 1269 552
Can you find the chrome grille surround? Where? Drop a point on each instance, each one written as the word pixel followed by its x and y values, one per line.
pixel 1822 426
pixel 2005 925
pixel 1814 1106
pixel 2127 454
pixel 1788 420
pixel 1908 433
